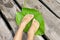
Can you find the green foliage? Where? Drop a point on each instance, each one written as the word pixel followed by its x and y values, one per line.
pixel 37 15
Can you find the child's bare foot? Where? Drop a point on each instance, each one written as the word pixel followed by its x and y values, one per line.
pixel 24 22
pixel 34 27
pixel 27 18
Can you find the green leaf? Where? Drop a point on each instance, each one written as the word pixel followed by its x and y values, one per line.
pixel 19 17
pixel 37 15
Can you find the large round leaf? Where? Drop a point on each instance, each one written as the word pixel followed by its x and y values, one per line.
pixel 37 15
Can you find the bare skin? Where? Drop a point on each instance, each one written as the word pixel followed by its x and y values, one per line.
pixel 34 27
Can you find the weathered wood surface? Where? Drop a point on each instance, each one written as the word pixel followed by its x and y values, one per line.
pixel 52 22
pixel 54 5
pixel 5 34
pixel 9 10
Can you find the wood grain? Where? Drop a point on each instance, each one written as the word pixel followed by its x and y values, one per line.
pixel 10 13
pixel 5 34
pixel 54 5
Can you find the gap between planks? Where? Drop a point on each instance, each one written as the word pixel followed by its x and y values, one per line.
pixel 54 5
pixel 5 34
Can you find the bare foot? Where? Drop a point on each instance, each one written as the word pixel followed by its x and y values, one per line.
pixel 27 18
pixel 34 27
pixel 25 21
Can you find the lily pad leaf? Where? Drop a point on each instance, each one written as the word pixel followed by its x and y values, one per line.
pixel 37 15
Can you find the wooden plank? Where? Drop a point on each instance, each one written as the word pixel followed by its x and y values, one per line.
pixel 52 22
pixel 9 10
pixel 5 34
pixel 54 5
